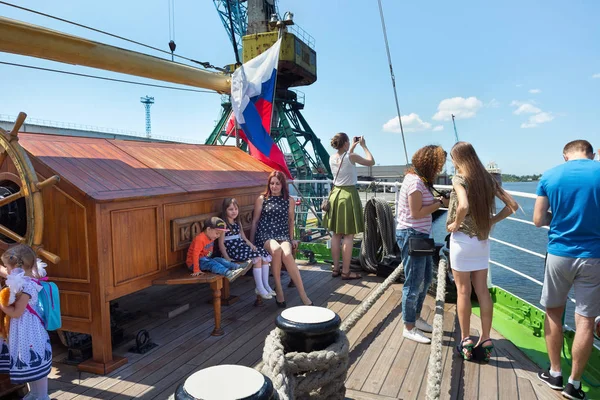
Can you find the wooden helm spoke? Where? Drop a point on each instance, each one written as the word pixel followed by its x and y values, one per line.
pixel 10 234
pixel 3 155
pixel 9 199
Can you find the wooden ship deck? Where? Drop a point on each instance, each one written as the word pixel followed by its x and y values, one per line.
pixel 382 364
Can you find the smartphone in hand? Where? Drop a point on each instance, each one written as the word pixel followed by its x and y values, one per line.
pixel 356 139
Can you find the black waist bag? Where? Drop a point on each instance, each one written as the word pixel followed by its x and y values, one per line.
pixel 421 247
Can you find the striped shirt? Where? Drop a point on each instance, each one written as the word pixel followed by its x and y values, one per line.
pixel 411 184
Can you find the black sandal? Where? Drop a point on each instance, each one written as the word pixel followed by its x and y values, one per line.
pixel 465 350
pixel 483 353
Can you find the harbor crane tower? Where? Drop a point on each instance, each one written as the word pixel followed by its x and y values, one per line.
pixel 252 27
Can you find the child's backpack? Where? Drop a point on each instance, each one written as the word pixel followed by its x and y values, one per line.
pixel 48 305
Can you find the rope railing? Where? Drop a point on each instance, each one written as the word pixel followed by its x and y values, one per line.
pixel 434 370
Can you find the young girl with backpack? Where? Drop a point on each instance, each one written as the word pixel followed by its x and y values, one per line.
pixel 26 354
pixel 234 246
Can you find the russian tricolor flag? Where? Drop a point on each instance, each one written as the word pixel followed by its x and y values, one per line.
pixel 252 95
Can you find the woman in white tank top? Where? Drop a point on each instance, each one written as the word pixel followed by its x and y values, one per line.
pixel 345 216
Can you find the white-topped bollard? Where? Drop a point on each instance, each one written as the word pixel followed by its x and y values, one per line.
pixel 308 328
pixel 226 382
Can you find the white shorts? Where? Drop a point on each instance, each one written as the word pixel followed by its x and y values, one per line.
pixel 468 253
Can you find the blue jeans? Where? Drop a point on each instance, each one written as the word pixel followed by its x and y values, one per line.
pixel 418 272
pixel 217 265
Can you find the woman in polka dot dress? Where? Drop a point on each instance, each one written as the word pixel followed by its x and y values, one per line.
pixel 235 247
pixel 27 354
pixel 273 229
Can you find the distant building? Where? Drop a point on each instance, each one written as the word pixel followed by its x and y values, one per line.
pixel 391 173
pixel 384 173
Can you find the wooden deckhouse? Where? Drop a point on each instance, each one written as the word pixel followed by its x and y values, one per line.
pixel 122 217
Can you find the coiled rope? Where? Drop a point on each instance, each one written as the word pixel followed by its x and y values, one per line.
pixel 379 236
pixel 434 371
pixel 315 375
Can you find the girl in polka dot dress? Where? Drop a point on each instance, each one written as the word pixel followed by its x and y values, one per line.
pixel 26 355
pixel 235 247
pixel 273 230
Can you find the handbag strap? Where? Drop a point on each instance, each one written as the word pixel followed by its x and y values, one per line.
pixel 339 169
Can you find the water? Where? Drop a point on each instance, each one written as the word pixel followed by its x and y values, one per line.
pixel 522 235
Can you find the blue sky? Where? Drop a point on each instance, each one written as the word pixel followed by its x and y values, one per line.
pixel 523 78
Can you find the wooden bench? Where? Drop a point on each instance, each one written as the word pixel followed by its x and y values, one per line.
pixel 219 285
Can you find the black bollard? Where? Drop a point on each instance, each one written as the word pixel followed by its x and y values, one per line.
pixel 226 382
pixel 308 328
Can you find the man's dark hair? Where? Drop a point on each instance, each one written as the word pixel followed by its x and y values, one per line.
pixel 578 145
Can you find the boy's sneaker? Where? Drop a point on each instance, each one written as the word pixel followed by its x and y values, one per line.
pixel 555 383
pixel 574 394
pixel 422 325
pixel 416 335
pixel 232 275
pixel 245 265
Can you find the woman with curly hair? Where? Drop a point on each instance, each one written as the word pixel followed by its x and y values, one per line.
pixel 413 215
pixel 470 219
pixel 345 215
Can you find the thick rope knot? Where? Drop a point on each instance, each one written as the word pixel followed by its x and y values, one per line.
pixel 316 375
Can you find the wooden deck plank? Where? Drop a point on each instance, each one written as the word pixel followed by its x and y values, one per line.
pixel 448 327
pixel 418 366
pixel 357 395
pixel 385 366
pixel 469 390
pixel 219 358
pixel 198 316
pixel 452 374
pixel 522 366
pixel 507 379
pixel 175 340
pixel 377 331
pixel 191 353
pixel 525 391
pixel 397 374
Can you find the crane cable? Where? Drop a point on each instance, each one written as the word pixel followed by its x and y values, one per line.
pixel 204 64
pixel 387 48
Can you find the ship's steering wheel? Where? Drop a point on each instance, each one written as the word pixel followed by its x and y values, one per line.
pixel 28 188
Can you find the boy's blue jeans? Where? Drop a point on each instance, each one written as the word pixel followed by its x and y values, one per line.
pixel 217 265
pixel 418 272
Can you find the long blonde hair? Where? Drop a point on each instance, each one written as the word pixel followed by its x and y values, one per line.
pixel 481 186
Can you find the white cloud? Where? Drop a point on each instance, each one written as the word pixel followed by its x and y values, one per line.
pixel 493 103
pixel 459 106
pixel 535 91
pixel 526 108
pixel 596 76
pixel 438 128
pixel 538 117
pixel 411 123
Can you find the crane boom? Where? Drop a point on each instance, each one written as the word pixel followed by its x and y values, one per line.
pixel 35 41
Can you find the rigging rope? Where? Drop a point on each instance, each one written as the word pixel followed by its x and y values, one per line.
pixel 58 71
pixel 387 48
pixel 379 235
pixel 204 64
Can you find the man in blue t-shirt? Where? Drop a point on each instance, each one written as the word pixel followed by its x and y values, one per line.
pixel 569 202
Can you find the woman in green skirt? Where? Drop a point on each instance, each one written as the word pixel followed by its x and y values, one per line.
pixel 345 216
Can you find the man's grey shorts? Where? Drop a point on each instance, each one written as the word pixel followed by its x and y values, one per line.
pixel 581 273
